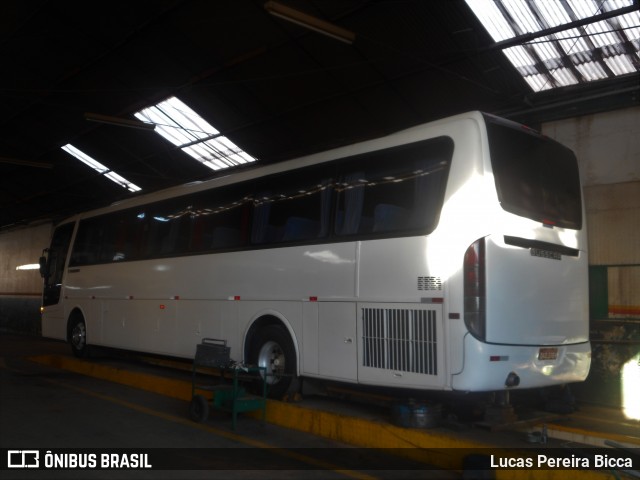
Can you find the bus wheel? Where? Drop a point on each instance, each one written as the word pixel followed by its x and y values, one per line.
pixel 199 409
pixel 273 349
pixel 78 337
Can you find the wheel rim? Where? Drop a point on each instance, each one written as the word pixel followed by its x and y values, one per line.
pixel 271 357
pixel 78 336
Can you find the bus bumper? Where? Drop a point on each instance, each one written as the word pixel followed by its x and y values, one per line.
pixel 490 367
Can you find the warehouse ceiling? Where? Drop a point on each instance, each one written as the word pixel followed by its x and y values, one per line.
pixel 273 88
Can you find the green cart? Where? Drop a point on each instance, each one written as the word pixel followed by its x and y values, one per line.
pixel 229 393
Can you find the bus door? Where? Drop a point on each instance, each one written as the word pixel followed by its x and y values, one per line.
pixel 52 271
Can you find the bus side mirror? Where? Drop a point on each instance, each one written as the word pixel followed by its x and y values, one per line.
pixel 43 267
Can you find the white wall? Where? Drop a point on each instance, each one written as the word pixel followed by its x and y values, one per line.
pixel 607 144
pixel 608 149
pixel 20 247
pixel 21 290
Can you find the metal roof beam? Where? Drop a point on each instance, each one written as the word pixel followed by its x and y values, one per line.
pixel 511 42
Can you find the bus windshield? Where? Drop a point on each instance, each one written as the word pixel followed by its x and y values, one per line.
pixel 535 177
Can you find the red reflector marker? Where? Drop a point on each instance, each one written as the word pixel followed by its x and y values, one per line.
pixel 236 297
pixel 548 223
pixel 313 299
pixel 162 307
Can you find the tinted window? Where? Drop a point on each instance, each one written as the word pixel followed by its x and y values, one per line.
pixel 394 191
pixel 213 220
pixel 398 190
pixel 292 207
pixel 536 177
pixel 220 219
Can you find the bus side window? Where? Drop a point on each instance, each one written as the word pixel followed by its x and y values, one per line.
pixel 397 190
pixel 85 244
pixel 297 211
pixel 169 241
pixel 164 229
pixel 260 224
pixel 213 221
pixel 387 217
pixel 351 191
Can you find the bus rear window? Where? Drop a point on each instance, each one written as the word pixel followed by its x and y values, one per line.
pixel 536 177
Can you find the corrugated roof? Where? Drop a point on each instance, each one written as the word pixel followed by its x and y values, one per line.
pixel 576 41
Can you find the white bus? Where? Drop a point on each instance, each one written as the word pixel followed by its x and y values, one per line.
pixel 449 256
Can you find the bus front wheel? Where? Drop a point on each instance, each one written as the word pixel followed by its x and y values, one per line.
pixel 78 337
pixel 272 349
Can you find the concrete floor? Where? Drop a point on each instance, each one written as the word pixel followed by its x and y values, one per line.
pixel 50 400
pixel 51 409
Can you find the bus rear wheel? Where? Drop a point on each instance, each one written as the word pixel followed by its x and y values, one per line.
pixel 78 337
pixel 272 348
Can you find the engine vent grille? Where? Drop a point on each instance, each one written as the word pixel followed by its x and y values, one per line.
pixel 429 283
pixel 400 339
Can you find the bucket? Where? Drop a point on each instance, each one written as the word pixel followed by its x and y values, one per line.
pixel 415 415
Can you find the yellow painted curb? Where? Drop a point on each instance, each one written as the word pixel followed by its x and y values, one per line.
pixel 579 435
pixel 164 386
pixel 434 448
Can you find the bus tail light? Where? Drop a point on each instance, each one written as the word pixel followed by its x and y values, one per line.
pixel 475 310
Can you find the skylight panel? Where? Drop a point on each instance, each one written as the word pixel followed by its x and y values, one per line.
pixel 519 57
pixel 631 25
pixel 184 128
pixel 492 19
pixel 572 41
pixel 620 64
pixel 538 82
pixel 546 51
pixel 522 15
pixel 581 54
pixel 100 168
pixel 592 71
pixel 553 13
pixel 583 8
pixel 601 35
pixel 565 77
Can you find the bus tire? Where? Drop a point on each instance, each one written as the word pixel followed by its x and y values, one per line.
pixel 199 409
pixel 78 336
pixel 272 348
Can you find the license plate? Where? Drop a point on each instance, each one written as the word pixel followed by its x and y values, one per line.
pixel 538 252
pixel 547 354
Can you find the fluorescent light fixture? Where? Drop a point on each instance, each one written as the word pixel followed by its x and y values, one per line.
pixel 601 38
pixel 100 168
pixel 310 22
pixel 183 127
pixel 29 266
pixel 118 122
